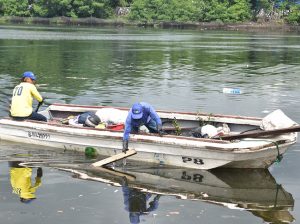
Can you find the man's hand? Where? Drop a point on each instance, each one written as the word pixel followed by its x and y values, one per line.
pixel 125 146
pixel 45 101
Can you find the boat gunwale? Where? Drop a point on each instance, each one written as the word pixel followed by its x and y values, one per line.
pixel 161 111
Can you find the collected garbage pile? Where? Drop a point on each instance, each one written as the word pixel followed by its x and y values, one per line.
pixel 109 118
pixel 210 130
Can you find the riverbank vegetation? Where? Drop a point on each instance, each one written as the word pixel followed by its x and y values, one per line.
pixel 156 11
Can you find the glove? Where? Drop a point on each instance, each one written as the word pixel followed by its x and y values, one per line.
pixel 43 100
pixel 39 105
pixel 159 130
pixel 125 146
pixel 39 172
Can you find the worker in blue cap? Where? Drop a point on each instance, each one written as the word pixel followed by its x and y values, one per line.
pixel 22 98
pixel 141 114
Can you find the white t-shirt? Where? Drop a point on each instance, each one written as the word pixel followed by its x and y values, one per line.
pixel 112 115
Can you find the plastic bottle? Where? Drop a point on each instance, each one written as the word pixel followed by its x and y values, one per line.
pixel 232 90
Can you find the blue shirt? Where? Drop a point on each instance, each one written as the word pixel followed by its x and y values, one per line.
pixel 142 198
pixel 148 114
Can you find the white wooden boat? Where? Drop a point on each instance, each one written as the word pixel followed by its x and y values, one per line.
pixel 172 150
pixel 253 190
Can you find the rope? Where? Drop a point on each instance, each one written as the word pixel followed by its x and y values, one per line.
pixel 276 196
pixel 279 156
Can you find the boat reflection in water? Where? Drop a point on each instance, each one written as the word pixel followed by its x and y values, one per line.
pixel 254 190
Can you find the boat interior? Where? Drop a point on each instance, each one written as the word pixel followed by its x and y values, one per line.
pixel 196 126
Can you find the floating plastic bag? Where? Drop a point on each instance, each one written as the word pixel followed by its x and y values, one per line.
pixel 223 130
pixel 276 120
pixel 209 130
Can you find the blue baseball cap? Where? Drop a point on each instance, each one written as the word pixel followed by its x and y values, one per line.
pixel 29 75
pixel 137 111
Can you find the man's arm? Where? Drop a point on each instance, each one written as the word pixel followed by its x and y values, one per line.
pixel 153 204
pixel 36 94
pixel 154 115
pixel 127 131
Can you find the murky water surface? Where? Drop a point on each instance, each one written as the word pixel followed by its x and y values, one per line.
pixel 173 70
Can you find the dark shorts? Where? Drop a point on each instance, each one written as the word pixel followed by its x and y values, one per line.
pixel 82 117
pixel 34 116
pixel 151 125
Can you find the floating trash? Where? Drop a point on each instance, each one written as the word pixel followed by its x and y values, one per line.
pixel 90 152
pixel 232 91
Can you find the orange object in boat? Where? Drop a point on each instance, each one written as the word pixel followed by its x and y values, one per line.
pixel 116 127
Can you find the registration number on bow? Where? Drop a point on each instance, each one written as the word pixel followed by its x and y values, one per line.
pixel 40 135
pixel 198 161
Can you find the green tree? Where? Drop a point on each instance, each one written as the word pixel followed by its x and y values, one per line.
pixel 239 11
pixel 184 11
pixel 167 10
pixel 15 8
pixel 157 10
pixel 86 8
pixel 72 8
pixel 294 16
pixel 120 3
pixel 215 10
pixel 52 8
pixel 227 11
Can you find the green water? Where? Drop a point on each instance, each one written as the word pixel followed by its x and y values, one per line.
pixel 181 70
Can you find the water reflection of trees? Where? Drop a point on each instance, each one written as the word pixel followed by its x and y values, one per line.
pixel 105 60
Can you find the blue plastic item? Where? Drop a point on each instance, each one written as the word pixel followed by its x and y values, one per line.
pixel 232 90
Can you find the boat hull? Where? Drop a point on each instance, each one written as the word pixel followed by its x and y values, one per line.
pixel 165 150
pixel 171 150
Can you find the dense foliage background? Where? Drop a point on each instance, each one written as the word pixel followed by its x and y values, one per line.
pixel 149 11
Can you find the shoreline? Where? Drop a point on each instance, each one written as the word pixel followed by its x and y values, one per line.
pixel 119 22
